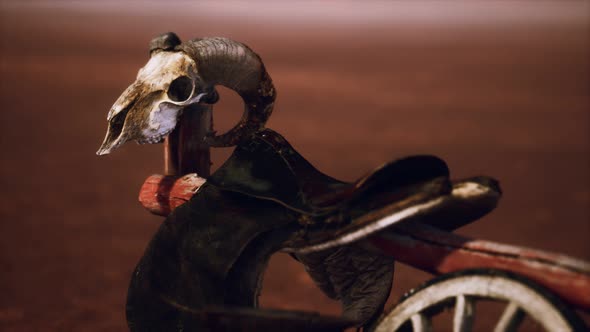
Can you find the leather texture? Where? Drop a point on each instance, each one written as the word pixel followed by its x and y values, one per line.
pixel 212 251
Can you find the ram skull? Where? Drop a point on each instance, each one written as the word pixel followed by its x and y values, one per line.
pixel 178 75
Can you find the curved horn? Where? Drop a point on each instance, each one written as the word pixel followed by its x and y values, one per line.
pixel 234 65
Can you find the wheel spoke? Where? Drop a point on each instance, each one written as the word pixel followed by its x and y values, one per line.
pixel 421 323
pixel 521 301
pixel 464 313
pixel 511 318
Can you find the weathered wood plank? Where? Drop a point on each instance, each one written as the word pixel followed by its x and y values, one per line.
pixel 440 252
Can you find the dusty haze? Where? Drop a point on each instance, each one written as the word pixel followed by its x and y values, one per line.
pixel 495 88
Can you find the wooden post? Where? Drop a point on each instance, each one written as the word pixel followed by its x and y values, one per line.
pixel 184 154
pixel 184 150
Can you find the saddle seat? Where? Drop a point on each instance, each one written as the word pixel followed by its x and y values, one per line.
pixel 335 212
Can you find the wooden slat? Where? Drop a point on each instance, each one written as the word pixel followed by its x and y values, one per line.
pixel 440 252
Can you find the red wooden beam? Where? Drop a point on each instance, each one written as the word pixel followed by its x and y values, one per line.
pixel 161 194
pixel 439 252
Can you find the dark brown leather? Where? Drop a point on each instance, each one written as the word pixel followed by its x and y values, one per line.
pixel 212 250
pixel 269 168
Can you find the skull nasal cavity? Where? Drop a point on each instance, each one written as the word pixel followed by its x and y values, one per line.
pixel 180 89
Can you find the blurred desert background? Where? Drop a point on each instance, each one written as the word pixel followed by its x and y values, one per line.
pixel 495 88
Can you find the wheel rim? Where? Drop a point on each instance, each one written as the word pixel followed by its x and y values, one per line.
pixel 462 290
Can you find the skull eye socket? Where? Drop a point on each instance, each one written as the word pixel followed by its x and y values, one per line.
pixel 180 89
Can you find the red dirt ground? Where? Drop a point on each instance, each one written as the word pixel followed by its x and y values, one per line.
pixel 492 90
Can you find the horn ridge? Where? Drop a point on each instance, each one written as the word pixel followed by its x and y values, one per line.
pixel 234 65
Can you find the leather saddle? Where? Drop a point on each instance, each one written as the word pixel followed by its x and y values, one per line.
pixel 266 197
pixel 334 212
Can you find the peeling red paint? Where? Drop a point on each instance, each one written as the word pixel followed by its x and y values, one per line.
pixel 440 252
pixel 161 194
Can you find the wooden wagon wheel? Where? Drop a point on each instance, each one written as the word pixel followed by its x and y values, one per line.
pixel 461 290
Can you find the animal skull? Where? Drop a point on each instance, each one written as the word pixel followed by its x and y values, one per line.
pixel 148 110
pixel 173 79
